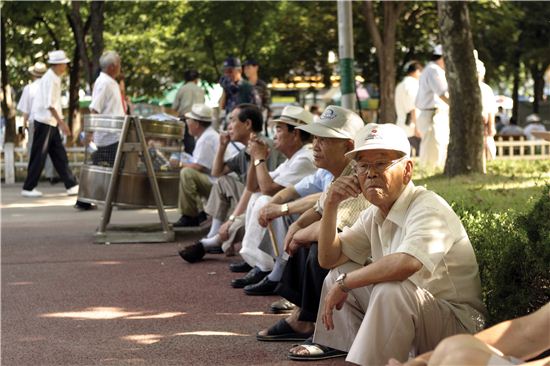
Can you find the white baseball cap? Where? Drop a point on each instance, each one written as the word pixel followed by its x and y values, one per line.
pixel 200 112
pixel 533 117
pixel 387 136
pixel 57 57
pixel 335 122
pixel 295 116
pixel 438 50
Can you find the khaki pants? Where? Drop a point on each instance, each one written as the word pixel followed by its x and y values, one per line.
pixel 194 185
pixel 434 128
pixel 225 194
pixel 385 320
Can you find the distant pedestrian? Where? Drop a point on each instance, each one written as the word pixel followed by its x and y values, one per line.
pixel 236 89
pixel 24 106
pixel 433 121
pixel 188 94
pixel 405 96
pixel 107 99
pixel 48 116
pixel 262 95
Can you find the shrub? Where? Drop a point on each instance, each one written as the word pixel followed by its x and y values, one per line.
pixel 513 253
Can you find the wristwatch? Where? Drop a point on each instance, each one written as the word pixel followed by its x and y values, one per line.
pixel 258 161
pixel 231 218
pixel 340 282
pixel 284 208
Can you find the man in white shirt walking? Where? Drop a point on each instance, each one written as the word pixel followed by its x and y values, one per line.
pixel 48 117
pixel 433 121
pixel 106 99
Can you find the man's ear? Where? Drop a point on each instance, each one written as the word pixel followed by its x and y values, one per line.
pixel 248 124
pixel 407 175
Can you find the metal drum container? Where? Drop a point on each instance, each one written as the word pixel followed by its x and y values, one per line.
pixel 133 189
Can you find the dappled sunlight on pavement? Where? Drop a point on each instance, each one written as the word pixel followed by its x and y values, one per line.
pixel 102 313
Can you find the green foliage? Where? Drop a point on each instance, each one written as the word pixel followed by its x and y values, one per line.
pixel 513 269
pixel 506 214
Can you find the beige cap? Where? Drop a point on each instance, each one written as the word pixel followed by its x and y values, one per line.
pixel 386 136
pixel 200 112
pixel 38 69
pixel 336 122
pixel 295 116
pixel 58 57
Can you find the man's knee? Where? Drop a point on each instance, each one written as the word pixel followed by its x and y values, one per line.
pixel 187 173
pixel 461 349
pixel 389 291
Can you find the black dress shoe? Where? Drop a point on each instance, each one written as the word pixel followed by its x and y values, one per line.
pixel 192 253
pixel 263 288
pixel 84 206
pixel 239 267
pixel 252 277
pixel 186 221
pixel 214 250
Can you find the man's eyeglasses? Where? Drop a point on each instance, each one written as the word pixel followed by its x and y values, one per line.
pixel 376 167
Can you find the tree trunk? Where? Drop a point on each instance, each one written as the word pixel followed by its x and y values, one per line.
pixel 97 26
pixel 537 72
pixel 515 87
pixel 385 51
pixel 8 108
pixel 464 154
pixel 75 21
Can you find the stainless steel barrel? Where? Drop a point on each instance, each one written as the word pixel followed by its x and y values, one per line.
pixel 134 189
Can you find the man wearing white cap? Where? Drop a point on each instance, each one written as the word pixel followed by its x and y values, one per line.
pixel 195 178
pixel 433 121
pixel 423 282
pixel 48 117
pixel 296 146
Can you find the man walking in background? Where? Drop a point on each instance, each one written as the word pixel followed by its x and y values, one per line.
pixel 48 116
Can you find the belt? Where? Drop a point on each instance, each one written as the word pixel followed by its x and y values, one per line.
pixel 429 109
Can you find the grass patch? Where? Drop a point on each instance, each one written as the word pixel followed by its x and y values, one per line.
pixel 508 185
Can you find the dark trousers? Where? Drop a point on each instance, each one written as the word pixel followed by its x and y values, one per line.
pixel 302 282
pixel 47 141
pixel 105 155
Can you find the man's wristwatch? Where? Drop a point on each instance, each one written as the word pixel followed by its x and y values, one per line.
pixel 340 282
pixel 284 208
pixel 232 218
pixel 258 161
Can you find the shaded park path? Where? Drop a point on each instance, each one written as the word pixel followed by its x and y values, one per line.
pixel 67 301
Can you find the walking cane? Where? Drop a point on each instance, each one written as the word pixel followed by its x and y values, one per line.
pixel 273 239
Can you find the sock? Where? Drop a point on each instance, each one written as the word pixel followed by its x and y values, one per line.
pixel 216 223
pixel 278 269
pixel 211 242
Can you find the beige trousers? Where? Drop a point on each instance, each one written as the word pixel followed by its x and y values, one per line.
pixel 193 186
pixel 386 320
pixel 224 196
pixel 434 128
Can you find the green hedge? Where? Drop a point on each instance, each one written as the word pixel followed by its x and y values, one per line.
pixel 513 252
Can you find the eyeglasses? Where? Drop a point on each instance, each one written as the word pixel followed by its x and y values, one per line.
pixel 376 167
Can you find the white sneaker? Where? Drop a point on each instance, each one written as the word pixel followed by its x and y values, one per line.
pixel 33 193
pixel 73 191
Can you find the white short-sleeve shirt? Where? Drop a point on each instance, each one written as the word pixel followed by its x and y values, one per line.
pixel 106 99
pixel 48 95
pixel 488 103
pixel 292 170
pixel 431 85
pixel 405 96
pixel 422 224
pixel 27 97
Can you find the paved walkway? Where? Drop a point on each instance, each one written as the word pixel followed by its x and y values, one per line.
pixel 67 301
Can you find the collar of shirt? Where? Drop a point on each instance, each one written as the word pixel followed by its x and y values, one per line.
pixel 398 211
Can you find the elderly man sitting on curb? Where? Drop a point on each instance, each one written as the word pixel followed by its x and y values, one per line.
pixel 296 146
pixel 195 178
pixel 423 283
